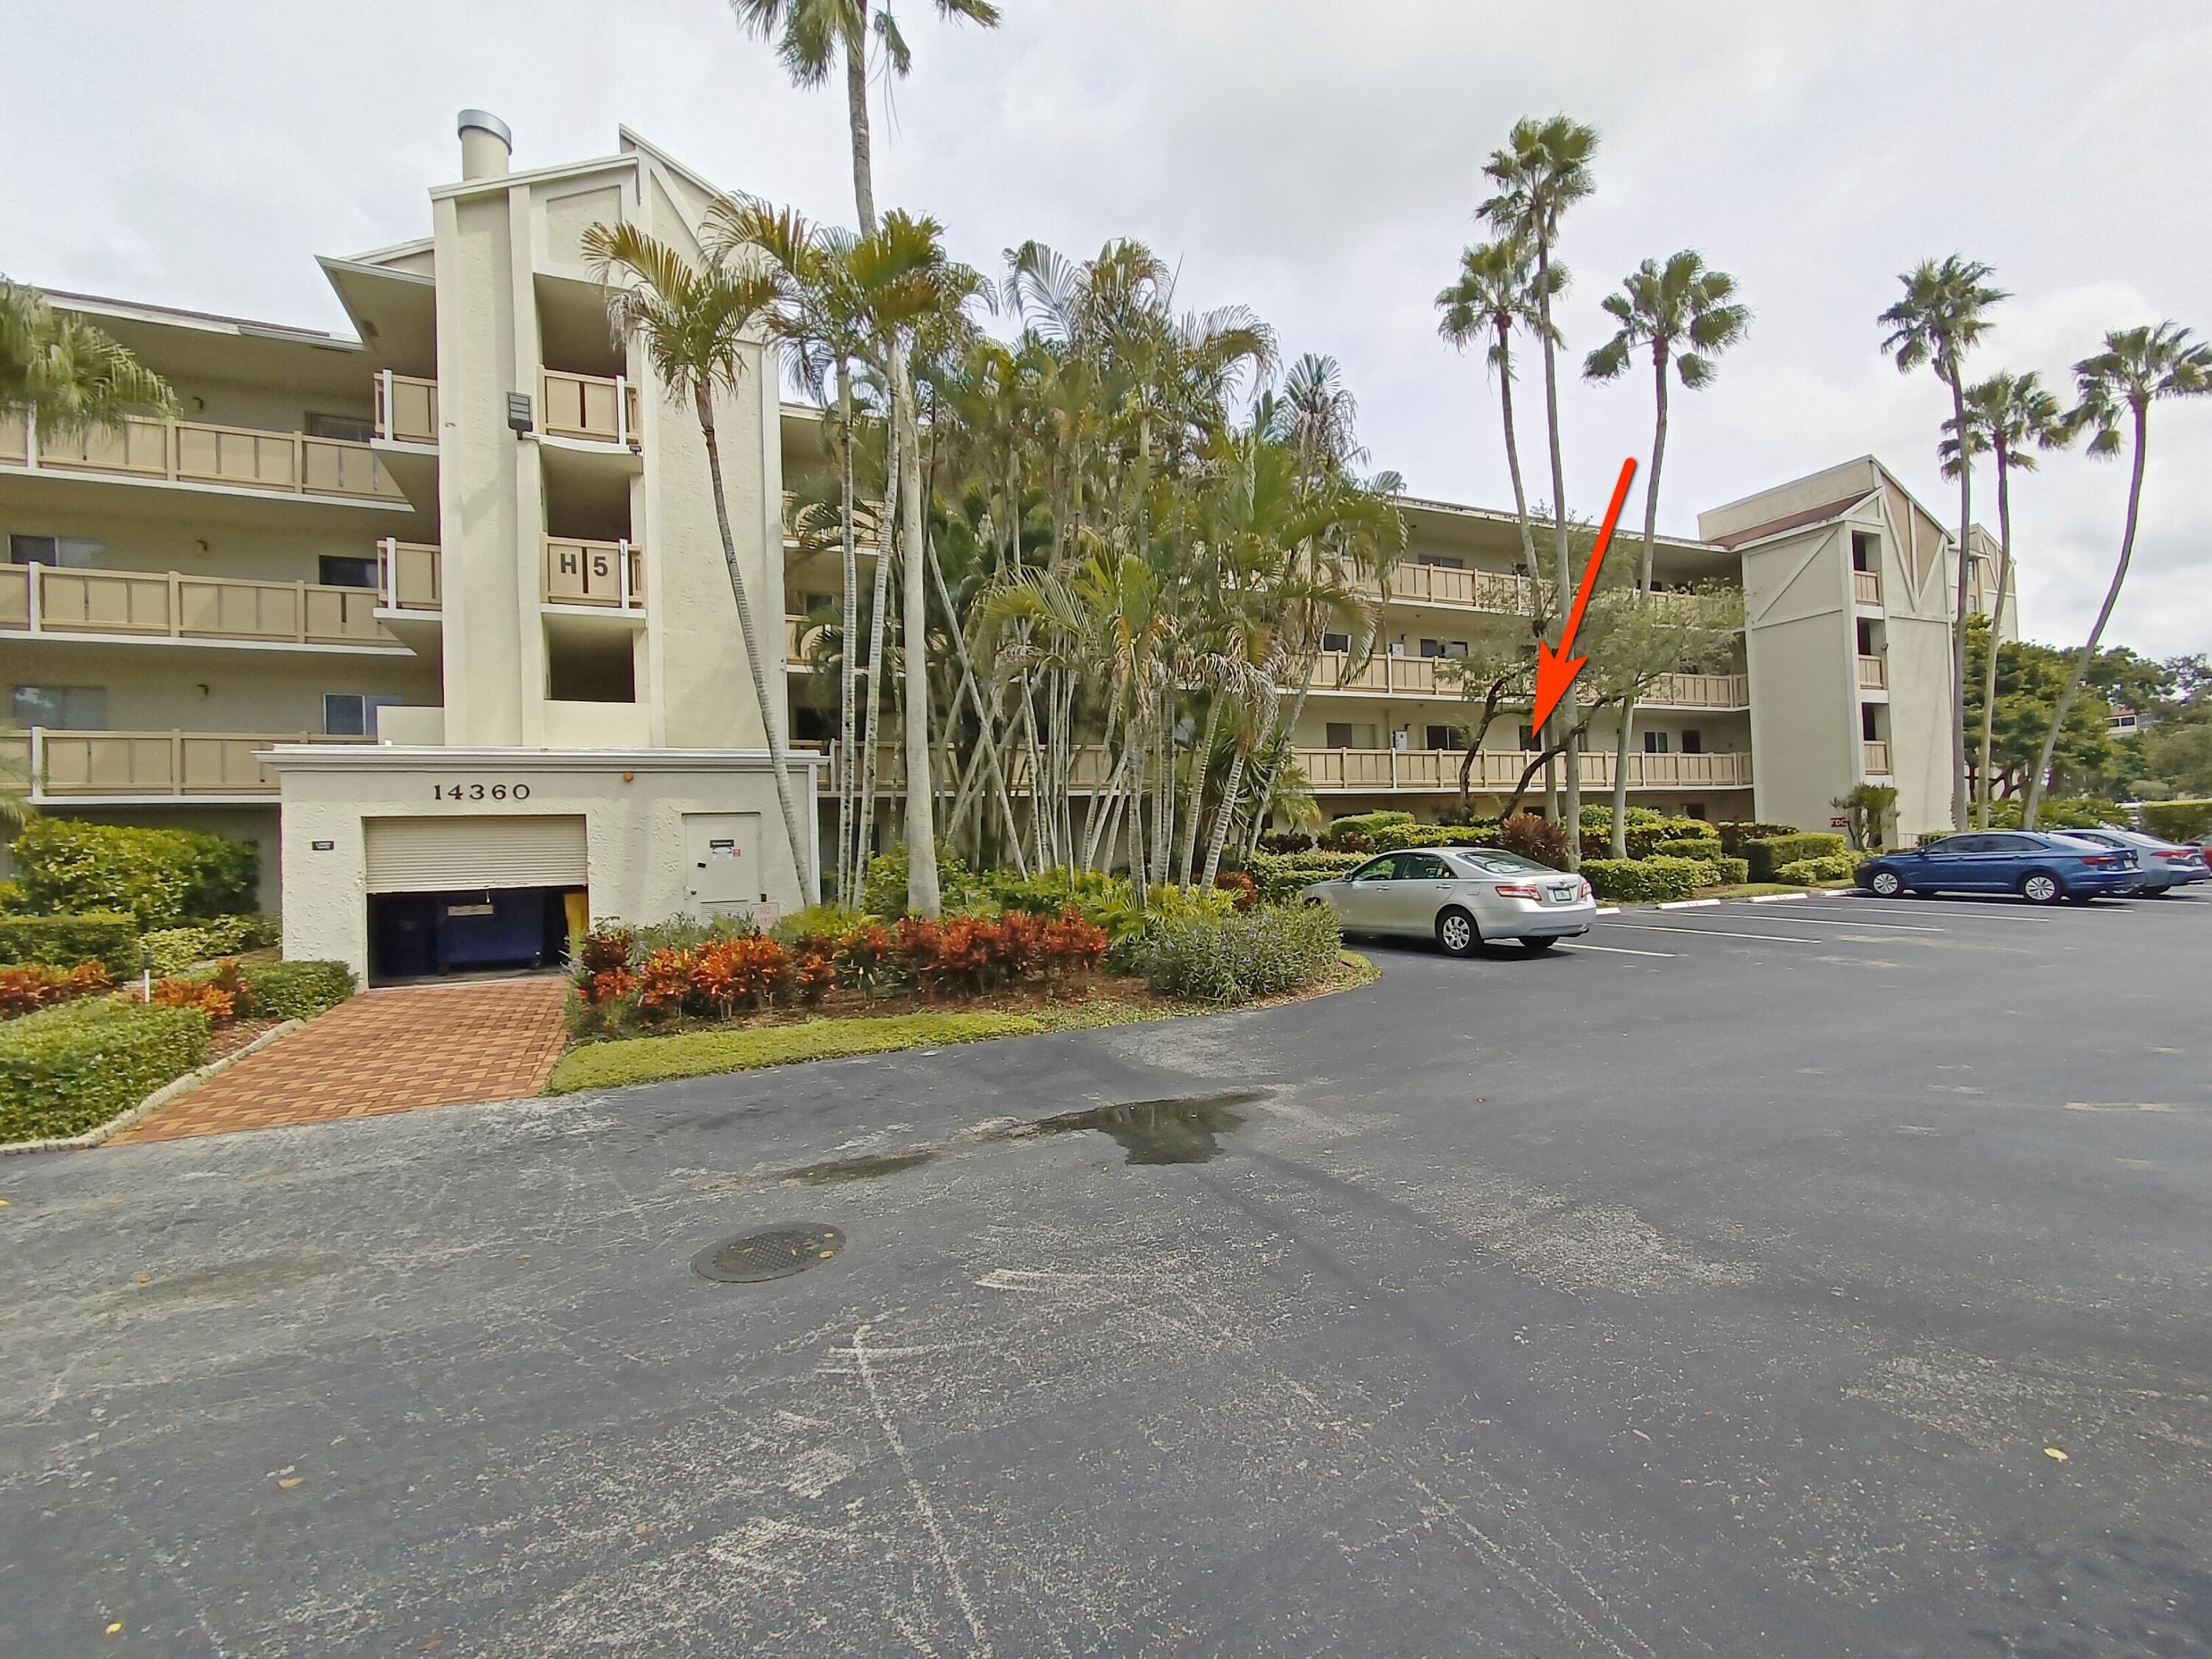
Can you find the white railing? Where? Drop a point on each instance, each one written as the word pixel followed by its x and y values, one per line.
pixel 410 575
pixel 406 409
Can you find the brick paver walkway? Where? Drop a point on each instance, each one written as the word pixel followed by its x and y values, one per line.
pixel 389 1051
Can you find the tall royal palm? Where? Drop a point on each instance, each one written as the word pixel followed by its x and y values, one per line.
pixel 1944 310
pixel 2137 367
pixel 1543 170
pixel 813 38
pixel 1683 314
pixel 2008 417
pixel 1493 297
pixel 696 324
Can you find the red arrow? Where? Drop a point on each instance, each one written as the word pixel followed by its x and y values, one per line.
pixel 1555 669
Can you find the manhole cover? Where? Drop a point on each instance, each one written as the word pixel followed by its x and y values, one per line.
pixel 774 1253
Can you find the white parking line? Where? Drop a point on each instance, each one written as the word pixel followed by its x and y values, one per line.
pixel 1797 916
pixel 1617 949
pixel 1689 904
pixel 1945 908
pixel 1717 933
pixel 1777 898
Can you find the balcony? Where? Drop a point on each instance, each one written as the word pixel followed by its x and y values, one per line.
pixel 409 576
pixel 44 602
pixel 1873 677
pixel 1866 587
pixel 1699 691
pixel 80 766
pixel 1460 589
pixel 598 575
pixel 406 409
pixel 195 453
pixel 587 408
pixel 1873 753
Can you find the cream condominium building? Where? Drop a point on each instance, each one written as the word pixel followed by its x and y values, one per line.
pixel 437 613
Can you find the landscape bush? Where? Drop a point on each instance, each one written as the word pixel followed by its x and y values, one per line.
pixel 883 893
pixel 162 878
pixel 175 949
pixel 222 996
pixel 297 990
pixel 1701 846
pixel 1254 953
pixel 1107 901
pixel 1240 887
pixel 1287 841
pixel 1282 880
pixel 1831 870
pixel 1728 872
pixel 108 937
pixel 1534 838
pixel 1646 830
pixel 71 1068
pixel 1769 854
pixel 1733 835
pixel 1366 832
pixel 1648 880
pixel 2178 820
pixel 27 989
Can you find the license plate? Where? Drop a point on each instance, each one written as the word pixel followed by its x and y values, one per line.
pixel 1563 895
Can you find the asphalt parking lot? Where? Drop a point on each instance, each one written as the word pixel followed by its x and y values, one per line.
pixel 1830 1277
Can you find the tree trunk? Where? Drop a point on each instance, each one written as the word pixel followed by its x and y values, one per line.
pixel 864 829
pixel 1982 779
pixel 802 850
pixel 1221 818
pixel 1959 607
pixel 2036 781
pixel 987 740
pixel 923 896
pixel 856 112
pixel 849 683
pixel 1187 863
pixel 1617 843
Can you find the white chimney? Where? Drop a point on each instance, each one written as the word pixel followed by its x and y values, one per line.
pixel 485 144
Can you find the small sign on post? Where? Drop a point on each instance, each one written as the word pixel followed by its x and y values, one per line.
pixel 1839 823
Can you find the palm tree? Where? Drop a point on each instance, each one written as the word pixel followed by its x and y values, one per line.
pixel 63 375
pixel 1942 314
pixel 1544 170
pixel 1495 294
pixel 810 37
pixel 2008 415
pixel 1685 313
pixel 695 324
pixel 2137 367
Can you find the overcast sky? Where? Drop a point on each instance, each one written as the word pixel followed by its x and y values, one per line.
pixel 1316 159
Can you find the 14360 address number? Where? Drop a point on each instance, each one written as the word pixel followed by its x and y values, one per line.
pixel 479 791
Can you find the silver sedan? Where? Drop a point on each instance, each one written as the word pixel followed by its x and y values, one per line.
pixel 1460 896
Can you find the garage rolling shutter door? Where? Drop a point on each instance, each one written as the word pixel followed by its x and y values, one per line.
pixel 435 855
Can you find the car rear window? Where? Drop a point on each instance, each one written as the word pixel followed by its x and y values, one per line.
pixel 1487 863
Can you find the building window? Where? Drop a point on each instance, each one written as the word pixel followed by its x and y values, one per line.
pixel 1336 642
pixel 1527 739
pixel 70 552
pixel 1442 561
pixel 340 570
pixel 1862 550
pixel 1655 743
pixel 1867 722
pixel 1447 737
pixel 59 707
pixel 348 429
pixel 1343 734
pixel 1695 809
pixel 351 714
pixel 1693 742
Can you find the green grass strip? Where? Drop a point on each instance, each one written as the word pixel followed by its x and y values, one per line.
pixel 703 1053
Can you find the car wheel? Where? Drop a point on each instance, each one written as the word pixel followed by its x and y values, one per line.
pixel 2041 887
pixel 1457 933
pixel 1885 883
pixel 1544 943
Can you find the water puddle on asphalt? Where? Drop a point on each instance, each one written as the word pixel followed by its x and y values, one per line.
pixel 1186 1129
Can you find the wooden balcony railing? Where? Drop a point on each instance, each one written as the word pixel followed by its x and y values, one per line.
pixel 609 575
pixel 1873 677
pixel 41 600
pixel 1866 586
pixel 406 409
pixel 589 407
pixel 152 765
pixel 1700 691
pixel 1875 756
pixel 409 576
pixel 1463 590
pixel 193 452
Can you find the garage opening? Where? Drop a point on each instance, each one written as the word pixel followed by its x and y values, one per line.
pixel 449 895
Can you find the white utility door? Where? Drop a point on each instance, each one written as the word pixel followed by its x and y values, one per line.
pixel 722 869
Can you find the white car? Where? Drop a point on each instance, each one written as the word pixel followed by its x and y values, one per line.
pixel 1460 896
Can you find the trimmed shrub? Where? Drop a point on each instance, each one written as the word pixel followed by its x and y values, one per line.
pixel 1240 887
pixel 164 877
pixel 1733 835
pixel 2178 820
pixel 1358 831
pixel 1254 953
pixel 1287 841
pixel 1707 848
pixel 1639 881
pixel 105 937
pixel 1834 869
pixel 72 1068
pixel 1281 880
pixel 297 990
pixel 1729 872
pixel 1107 901
pixel 175 949
pixel 26 990
pixel 1646 830
pixel 884 891
pixel 1768 855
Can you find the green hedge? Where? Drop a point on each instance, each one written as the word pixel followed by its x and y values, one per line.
pixel 2178 820
pixel 1830 870
pixel 1282 877
pixel 1700 846
pixel 1639 881
pixel 176 949
pixel 165 877
pixel 1733 835
pixel 106 937
pixel 1729 872
pixel 1769 854
pixel 71 1068
pixel 299 990
pixel 1251 953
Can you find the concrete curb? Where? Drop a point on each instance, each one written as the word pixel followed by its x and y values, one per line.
pixel 152 1103
pixel 1776 898
pixel 1688 904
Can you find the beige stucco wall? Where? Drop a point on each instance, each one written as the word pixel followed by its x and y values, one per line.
pixel 191 688
pixel 633 830
pixel 1801 659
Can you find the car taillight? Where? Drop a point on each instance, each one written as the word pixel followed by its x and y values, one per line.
pixel 1587 891
pixel 2102 860
pixel 1505 891
pixel 2179 858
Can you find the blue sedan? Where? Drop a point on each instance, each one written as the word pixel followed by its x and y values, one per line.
pixel 2041 868
pixel 2166 864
